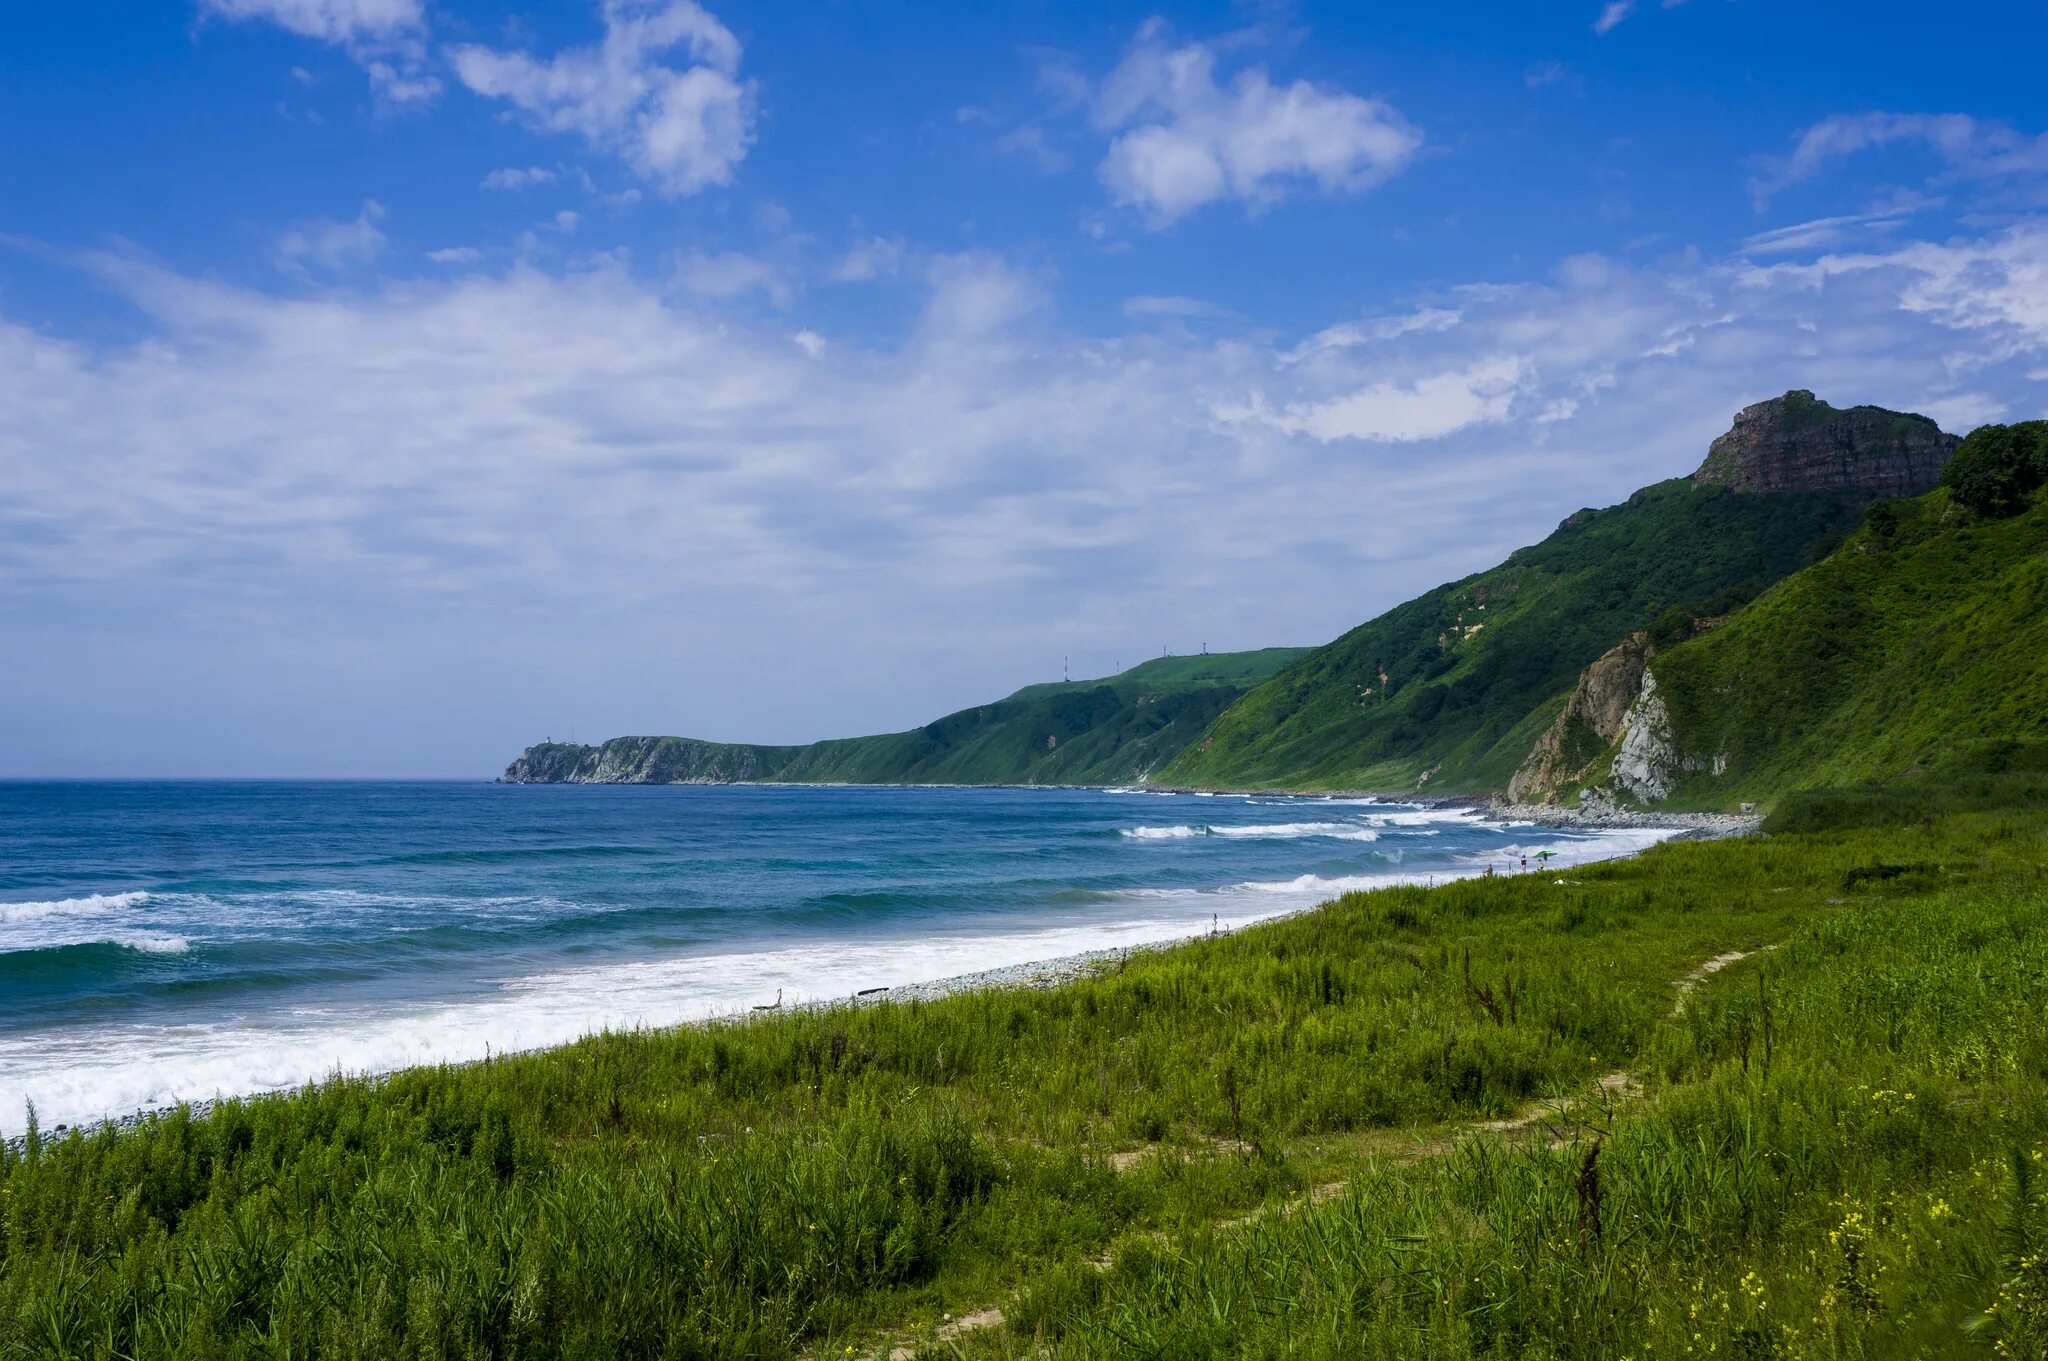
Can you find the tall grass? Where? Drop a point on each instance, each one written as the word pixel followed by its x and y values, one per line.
pixel 811 1180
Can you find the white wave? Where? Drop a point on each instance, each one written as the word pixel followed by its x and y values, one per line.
pixel 94 904
pixel 1341 831
pixel 96 919
pixel 150 944
pixel 1603 845
pixel 1338 831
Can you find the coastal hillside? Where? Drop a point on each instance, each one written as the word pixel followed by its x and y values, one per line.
pixel 1925 633
pixel 1121 728
pixel 1450 691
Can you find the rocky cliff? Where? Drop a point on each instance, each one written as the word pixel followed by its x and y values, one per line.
pixel 647 760
pixel 1591 722
pixel 1799 443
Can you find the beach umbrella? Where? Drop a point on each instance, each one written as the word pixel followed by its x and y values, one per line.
pixel 1541 856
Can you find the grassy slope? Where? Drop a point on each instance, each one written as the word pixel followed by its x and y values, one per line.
pixel 1476 702
pixel 1820 1167
pixel 1882 659
pixel 1105 731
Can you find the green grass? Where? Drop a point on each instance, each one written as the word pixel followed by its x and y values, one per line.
pixel 1110 731
pixel 816 1181
pixel 1458 683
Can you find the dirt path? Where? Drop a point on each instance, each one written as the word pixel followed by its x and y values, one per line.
pixel 1546 1116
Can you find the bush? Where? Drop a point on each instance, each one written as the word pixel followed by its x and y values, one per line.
pixel 1997 466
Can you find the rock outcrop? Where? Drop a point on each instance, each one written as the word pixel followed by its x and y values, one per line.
pixel 647 760
pixel 1592 720
pixel 1799 443
pixel 1648 763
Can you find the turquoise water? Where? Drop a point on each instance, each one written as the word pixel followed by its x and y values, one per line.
pixel 175 941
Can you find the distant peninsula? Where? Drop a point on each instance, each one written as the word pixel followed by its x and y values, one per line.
pixel 1118 729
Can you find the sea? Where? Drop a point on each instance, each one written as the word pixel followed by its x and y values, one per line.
pixel 164 942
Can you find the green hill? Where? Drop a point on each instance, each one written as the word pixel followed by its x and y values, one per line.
pixel 1451 689
pixel 1924 636
pixel 1108 731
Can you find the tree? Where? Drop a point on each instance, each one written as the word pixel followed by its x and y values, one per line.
pixel 1997 466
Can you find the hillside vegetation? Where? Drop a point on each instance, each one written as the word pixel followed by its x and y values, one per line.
pixel 1449 691
pixel 1926 631
pixel 1322 1137
pixel 1109 731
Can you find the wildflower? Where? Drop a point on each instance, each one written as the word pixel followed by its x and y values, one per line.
pixel 1938 1209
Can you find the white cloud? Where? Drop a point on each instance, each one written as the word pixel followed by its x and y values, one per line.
pixel 976 296
pixel 1970 147
pixel 456 255
pixel 334 245
pixel 1032 144
pixel 515 177
pixel 1346 335
pixel 875 258
pixel 1181 140
pixel 334 21
pixel 680 129
pixel 724 506
pixel 727 274
pixel 399 87
pixel 1427 408
pixel 384 37
pixel 1612 15
pixel 1171 307
pixel 1822 233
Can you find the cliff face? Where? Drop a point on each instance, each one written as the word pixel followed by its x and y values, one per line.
pixel 647 760
pixel 1799 443
pixel 1648 763
pixel 1591 721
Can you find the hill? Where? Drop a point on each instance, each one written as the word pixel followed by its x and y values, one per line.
pixel 1109 731
pixel 1450 691
pixel 1924 635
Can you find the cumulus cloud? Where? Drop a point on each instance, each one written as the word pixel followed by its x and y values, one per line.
pixel 726 501
pixel 1180 139
pixel 384 37
pixel 334 245
pixel 681 128
pixel 1427 408
pixel 334 21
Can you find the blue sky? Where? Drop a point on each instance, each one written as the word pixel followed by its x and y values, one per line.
pixel 385 384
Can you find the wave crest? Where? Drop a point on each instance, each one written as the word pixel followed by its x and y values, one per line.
pixel 92 904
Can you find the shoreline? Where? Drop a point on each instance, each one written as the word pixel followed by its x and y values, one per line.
pixel 1698 825
pixel 1034 974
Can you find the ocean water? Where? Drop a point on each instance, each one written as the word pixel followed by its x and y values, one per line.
pixel 162 942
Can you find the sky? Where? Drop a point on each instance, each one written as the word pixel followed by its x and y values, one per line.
pixel 388 384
